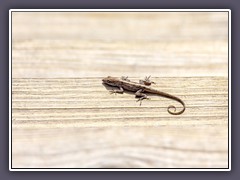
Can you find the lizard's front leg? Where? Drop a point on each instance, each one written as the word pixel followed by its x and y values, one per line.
pixel 120 90
pixel 141 96
pixel 146 81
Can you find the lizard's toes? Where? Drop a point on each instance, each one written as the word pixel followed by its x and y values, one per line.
pixel 140 102
pixel 111 92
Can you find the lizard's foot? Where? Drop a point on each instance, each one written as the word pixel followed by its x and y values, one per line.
pixel 113 91
pixel 141 96
pixel 141 99
pixel 147 81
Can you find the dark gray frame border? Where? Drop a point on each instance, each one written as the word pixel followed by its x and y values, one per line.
pixel 132 169
pixel 61 4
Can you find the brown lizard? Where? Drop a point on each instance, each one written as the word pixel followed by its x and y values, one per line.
pixel 124 83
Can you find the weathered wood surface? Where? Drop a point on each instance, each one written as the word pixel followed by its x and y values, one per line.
pixel 49 45
pixel 77 123
pixel 62 115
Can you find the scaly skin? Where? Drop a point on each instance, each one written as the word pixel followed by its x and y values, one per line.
pixel 143 86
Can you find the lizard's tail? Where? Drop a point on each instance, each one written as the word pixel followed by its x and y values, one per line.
pixel 171 106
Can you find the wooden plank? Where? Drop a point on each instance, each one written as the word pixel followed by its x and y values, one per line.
pixel 126 26
pixel 127 147
pixel 49 59
pixel 77 123
pixel 133 44
pixel 62 116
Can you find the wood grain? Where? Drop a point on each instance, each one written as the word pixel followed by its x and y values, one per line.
pixel 60 45
pixel 79 117
pixel 63 117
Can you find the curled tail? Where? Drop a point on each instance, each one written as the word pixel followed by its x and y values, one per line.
pixel 173 107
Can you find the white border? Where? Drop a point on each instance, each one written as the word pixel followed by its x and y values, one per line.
pixel 133 10
pixel 116 10
pixel 229 88
pixel 10 91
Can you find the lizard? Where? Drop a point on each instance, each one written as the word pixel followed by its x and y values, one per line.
pixel 124 83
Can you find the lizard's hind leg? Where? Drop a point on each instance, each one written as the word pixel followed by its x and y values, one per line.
pixel 141 96
pixel 146 81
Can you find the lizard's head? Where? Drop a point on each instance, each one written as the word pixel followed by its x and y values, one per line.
pixel 109 80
